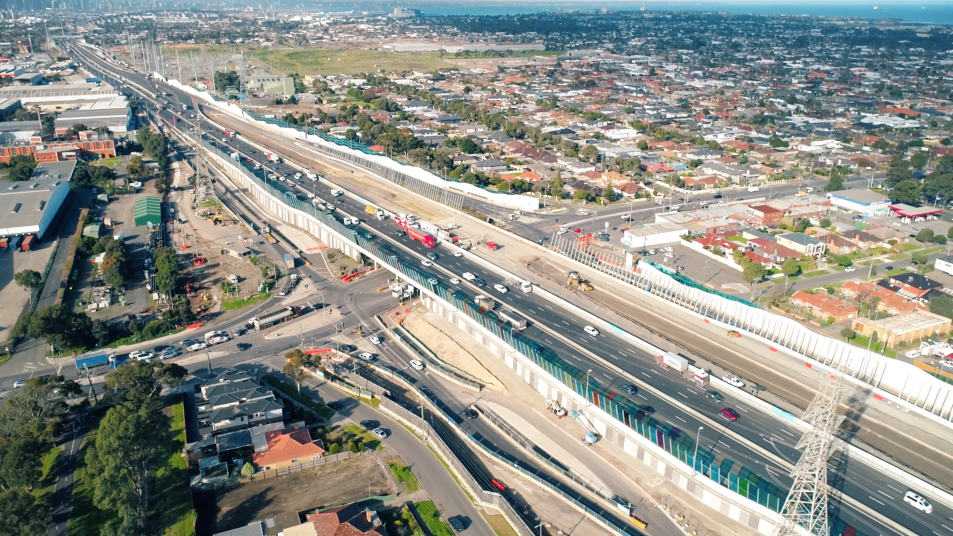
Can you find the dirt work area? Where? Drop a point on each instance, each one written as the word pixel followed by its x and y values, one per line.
pixel 436 333
pixel 327 486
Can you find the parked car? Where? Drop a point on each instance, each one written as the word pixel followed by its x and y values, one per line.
pixel 19 383
pixel 912 354
pixel 456 524
pixel 733 381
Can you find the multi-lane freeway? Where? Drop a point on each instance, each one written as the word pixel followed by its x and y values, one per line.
pixel 756 441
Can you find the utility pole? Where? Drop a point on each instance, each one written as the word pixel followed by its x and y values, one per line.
pixel 178 65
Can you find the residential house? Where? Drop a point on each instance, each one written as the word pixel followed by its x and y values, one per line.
pixel 802 243
pixel 763 215
pixel 286 448
pixel 888 301
pixel 772 250
pixel 824 306
pixel 575 166
pixel 491 166
pixel 707 182
pixel 836 244
pixel 911 286
pixel 863 239
pixel 350 520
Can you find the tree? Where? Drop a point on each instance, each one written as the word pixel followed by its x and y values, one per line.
pixel 167 271
pixel 907 191
pixel 826 222
pixel 925 235
pixel 778 142
pixel 949 232
pixel 789 268
pixel 753 272
pixel 556 187
pixel 835 183
pixel 132 443
pixel 919 160
pixel 60 327
pixel 848 333
pixel 30 280
pixel 334 449
pixel 582 195
pixel 248 469
pixel 135 169
pixel 21 462
pixel 841 260
pixel 942 305
pixel 21 513
pixel 295 367
pixel 898 170
pixel 37 407
pixel 642 145
pixel 590 153
pixel 140 381
pixel 21 168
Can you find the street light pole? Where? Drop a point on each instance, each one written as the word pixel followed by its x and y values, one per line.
pixel 209 359
pixel 695 458
pixel 588 372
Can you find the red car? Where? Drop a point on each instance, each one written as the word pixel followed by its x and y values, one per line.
pixel 199 261
pixel 730 414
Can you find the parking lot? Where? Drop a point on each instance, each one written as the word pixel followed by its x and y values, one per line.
pixel 14 297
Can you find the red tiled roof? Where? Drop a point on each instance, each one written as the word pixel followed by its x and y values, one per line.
pixel 285 445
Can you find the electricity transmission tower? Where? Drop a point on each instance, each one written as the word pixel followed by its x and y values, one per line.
pixel 203 178
pixel 805 511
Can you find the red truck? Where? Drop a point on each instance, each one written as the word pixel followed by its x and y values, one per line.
pixel 230 133
pixel 422 237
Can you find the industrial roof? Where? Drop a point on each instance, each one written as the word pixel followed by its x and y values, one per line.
pixel 906 323
pixel 148 209
pixel 866 197
pixel 65 90
pixel 23 204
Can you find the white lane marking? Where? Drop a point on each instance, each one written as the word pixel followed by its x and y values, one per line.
pixel 884 494
pixel 644 374
pixel 787 432
pixel 548 307
pixel 876 501
pixel 742 409
pixel 608 377
pixel 642 397
pixel 623 354
pixel 681 419
pixel 893 488
pixel 683 395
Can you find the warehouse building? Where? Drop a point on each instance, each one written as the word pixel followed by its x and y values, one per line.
pixel 148 210
pixel 30 207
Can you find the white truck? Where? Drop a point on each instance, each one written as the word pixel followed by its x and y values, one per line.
pixel 336 193
pixel 272 157
pixel 675 361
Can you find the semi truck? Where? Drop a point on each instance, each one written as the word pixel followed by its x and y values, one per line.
pixel 230 133
pixel 272 157
pixel 289 260
pixel 282 315
pixel 424 238
pixel 484 302
pixel 93 361
pixel 515 320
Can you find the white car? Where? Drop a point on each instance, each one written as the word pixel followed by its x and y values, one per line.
pixel 500 288
pixel 366 356
pixel 140 355
pixel 169 353
pixel 849 269
pixel 378 433
pixel 733 380
pixel 197 346
pixel 946 363
pixel 433 281
pixel 416 365
pixel 669 255
pixel 457 253
pixel 375 339
pixel 468 276
pixel 583 213
pixel 454 280
pixel 915 500
pixel 310 195
pixel 224 140
pixel 591 330
pixel 297 175
pixel 912 354
pixel 425 262
pixel 19 383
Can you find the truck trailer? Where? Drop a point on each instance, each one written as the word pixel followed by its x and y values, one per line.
pixel 277 317
pixel 289 260
pixel 424 238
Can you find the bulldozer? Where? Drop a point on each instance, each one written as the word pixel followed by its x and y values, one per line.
pixel 579 282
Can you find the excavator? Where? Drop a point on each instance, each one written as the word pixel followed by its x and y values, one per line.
pixel 576 281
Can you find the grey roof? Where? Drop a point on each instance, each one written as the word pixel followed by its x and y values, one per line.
pixel 801 238
pixel 250 408
pixel 238 397
pixel 23 204
pixel 57 90
pixel 233 440
pixel 96 113
pixel 866 197
pixel 19 126
pixel 256 528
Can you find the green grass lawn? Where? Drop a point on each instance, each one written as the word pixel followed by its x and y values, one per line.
pixel 817 273
pixel 108 162
pixel 911 247
pixel 403 474
pixel 289 390
pixel 862 342
pixel 238 303
pixel 84 517
pixel 174 504
pixel 933 250
pixel 358 434
pixel 737 238
pixel 428 513
pixel 49 465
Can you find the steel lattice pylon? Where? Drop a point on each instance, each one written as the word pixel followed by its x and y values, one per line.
pixel 805 511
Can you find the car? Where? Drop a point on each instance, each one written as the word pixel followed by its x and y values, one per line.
pixel 679 268
pixel 454 280
pixel 375 339
pixel 470 414
pixel 733 380
pixel 398 232
pixel 630 389
pixel 729 414
pixel 583 213
pixel 433 256
pixel 224 140
pixel 169 353
pixel 199 261
pixel 648 410
pixel 888 268
pixel 366 356
pixel 479 282
pixel 717 196
pixel 857 217
pixel 426 263
pixel 669 255
pixel 334 405
pixel 500 288
pixel 667 248
pixel 912 354
pixel 369 424
pixel 433 281
pixel 242 346
pixel 456 524
pixel 468 276
pixel 19 383
pixel 159 348
pixel 917 501
pixel 849 269
pixel 946 363
pixel 715 395
pixel 457 253
pixel 591 330
pixel 144 356
pixel 652 252
pixel 197 346
pixel 379 433
pixel 416 365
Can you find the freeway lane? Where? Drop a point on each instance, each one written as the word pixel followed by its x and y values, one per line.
pixel 358 210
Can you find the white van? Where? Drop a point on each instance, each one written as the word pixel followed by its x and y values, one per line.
pixel 336 193
pixel 754 189
pixel 808 189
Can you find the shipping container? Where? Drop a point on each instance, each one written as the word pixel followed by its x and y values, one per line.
pixel 27 243
pixel 15 243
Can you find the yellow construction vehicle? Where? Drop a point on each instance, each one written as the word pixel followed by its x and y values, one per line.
pixel 578 282
pixel 216 219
